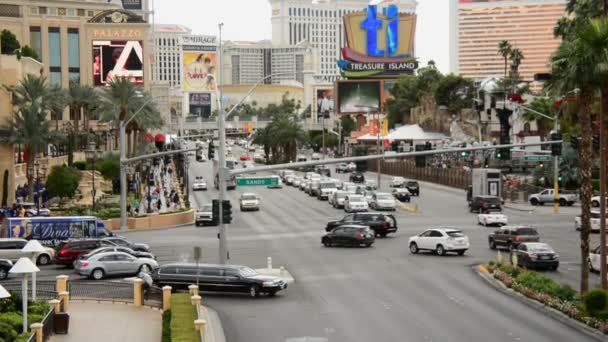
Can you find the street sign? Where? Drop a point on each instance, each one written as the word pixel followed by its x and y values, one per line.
pixel 267 181
pixel 536 158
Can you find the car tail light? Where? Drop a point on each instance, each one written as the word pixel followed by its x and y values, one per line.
pixel 385 225
pixel 517 238
pixel 84 264
pixel 63 252
pixel 359 236
pixel 485 205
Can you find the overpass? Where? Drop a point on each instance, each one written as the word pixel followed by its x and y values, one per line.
pixel 199 124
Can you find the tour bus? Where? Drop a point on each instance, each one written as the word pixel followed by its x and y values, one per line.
pixel 50 231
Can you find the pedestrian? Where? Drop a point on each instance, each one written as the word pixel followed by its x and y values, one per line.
pixel 21 211
pixel 158 204
pixel 147 283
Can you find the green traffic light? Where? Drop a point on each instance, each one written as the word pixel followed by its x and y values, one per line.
pixel 463 154
pixel 498 155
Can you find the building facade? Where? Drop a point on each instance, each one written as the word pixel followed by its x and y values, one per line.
pixel 167 54
pixel 477 26
pixel 321 23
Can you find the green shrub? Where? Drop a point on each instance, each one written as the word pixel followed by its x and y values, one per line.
pixel 564 292
pixel 80 165
pixel 7 332
pixel 107 213
pixel 595 301
pixel 166 336
pixel 540 283
pixel 182 319
pixel 13 319
pixel 509 269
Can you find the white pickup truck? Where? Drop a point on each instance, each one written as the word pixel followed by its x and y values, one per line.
pixel 548 195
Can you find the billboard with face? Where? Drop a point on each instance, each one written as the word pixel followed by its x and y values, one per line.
pixel 117 58
pixel 200 71
pixel 325 102
pixel 357 97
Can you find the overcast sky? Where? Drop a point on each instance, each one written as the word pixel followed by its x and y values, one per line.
pixel 250 20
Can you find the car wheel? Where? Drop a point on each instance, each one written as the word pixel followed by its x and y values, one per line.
pixel 595 204
pixel 554 268
pixel 492 244
pixel 413 248
pixel 440 250
pixel 534 201
pixel 97 274
pixel 43 259
pixel 145 268
pixel 461 252
pixel 254 291
pixel 3 273
pixel 382 235
pixel 272 293
pixel 326 243
pixel 562 202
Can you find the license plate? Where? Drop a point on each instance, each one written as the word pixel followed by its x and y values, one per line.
pixel 544 257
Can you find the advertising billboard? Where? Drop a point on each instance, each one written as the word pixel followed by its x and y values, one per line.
pixel 386 90
pixel 117 58
pixel 325 102
pixel 358 96
pixel 132 4
pixel 200 104
pixel 200 71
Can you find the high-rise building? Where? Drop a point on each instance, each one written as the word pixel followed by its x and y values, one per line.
pixel 320 22
pixel 477 26
pixel 168 54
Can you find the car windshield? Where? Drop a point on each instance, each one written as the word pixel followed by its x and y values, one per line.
pixel 248 197
pixel 526 231
pixel 493 200
pixel 455 234
pixel 356 199
pixel 341 194
pixel 327 185
pixel 247 271
pixel 539 247
pixel 384 197
pixel 595 215
pixel 206 207
pixel 412 183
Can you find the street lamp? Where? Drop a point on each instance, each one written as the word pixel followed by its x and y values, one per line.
pixel 148 197
pixel 92 155
pixel 33 248
pixel 24 266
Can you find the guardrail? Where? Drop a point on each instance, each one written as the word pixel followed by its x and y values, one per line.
pixel 47 325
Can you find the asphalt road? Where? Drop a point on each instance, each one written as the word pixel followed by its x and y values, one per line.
pixel 376 294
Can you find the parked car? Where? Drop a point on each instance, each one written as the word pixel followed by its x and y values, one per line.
pixel 337 199
pixel 245 157
pixel 548 196
pixel 485 204
pixel 595 201
pixel 382 224
pixel 127 250
pixel 413 187
pixel 383 201
pixel 357 177
pixel 67 252
pixel 354 203
pixel 199 183
pixel 5 267
pixel 342 168
pixel 492 219
pixel 120 241
pixel 204 215
pixel 441 241
pixel 101 265
pixel 10 248
pixel 249 201
pixel 511 236
pixel 594 220
pixel 397 182
pixel 371 185
pixel 593 260
pixel 351 235
pixel 536 255
pixel 218 278
pixel 402 194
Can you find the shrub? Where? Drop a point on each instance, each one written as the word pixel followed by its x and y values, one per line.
pixel 182 319
pixel 62 181
pixel 166 336
pixel 7 332
pixel 595 301
pixel 13 319
pixel 540 283
pixel 80 165
pixel 564 292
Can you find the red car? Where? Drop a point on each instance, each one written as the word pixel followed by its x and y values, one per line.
pixel 245 157
pixel 67 252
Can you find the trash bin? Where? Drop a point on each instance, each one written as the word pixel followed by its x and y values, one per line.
pixel 61 323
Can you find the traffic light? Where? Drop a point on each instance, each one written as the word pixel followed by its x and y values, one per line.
pixel 226 211
pixel 556 149
pixel 464 154
pixel 420 160
pixel 559 180
pixel 211 152
pixel 541 164
pixel 503 154
pixel 395 146
pixel 574 142
pixel 596 143
pixel 215 211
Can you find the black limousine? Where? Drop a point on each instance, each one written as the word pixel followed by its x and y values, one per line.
pixel 218 278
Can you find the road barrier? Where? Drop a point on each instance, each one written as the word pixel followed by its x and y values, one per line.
pixel 455 178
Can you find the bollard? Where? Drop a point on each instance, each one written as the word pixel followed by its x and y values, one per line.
pixel 282 272
pixel 138 298
pixel 415 207
pixel 61 283
pixel 199 325
pixel 196 300
pixel 193 289
pixel 37 330
pixel 54 303
pixel 514 260
pixel 167 297
pixel 269 263
pixel 499 257
pixel 65 298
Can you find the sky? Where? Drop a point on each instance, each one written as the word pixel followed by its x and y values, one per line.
pixel 250 20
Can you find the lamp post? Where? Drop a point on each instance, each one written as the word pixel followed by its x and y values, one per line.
pixel 33 248
pixel 92 155
pixel 24 266
pixel 36 182
pixel 148 197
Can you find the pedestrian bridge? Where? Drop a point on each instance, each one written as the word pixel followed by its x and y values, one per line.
pixel 199 124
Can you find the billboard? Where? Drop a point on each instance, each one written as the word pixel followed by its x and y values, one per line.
pixel 357 96
pixel 117 58
pixel 200 104
pixel 132 4
pixel 386 90
pixel 325 102
pixel 200 71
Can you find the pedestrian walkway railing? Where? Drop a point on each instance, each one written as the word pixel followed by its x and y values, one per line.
pixel 47 325
pixel 101 290
pixel 45 289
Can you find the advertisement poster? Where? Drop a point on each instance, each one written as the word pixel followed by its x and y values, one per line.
pixel 200 71
pixel 386 91
pixel 120 58
pixel 325 103
pixel 357 97
pixel 200 104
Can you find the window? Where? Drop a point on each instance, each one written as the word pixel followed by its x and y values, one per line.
pixel 36 39
pixel 80 12
pixel 74 54
pixel 169 270
pixel 52 11
pixel 55 55
pixel 42 10
pixel 435 233
pixel 61 11
pixel 426 234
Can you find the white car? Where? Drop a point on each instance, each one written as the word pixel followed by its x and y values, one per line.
pixel 594 220
pixel 351 167
pixel 371 185
pixel 249 201
pixel 199 183
pixel 593 260
pixel 492 219
pixel 354 203
pixel 595 201
pixel 368 194
pixel 204 215
pixel 296 181
pixel 336 200
pixel 397 182
pixel 441 241
pixel 383 201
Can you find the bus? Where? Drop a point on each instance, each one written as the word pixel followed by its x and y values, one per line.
pixel 50 231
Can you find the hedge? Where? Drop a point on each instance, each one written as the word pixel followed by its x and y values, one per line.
pixel 183 315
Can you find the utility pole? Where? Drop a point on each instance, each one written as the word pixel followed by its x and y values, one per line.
pixel 556 173
pixel 603 176
pixel 223 250
pixel 378 146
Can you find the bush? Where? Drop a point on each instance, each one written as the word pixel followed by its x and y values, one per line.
pixel 509 269
pixel 542 284
pixel 166 336
pixel 7 332
pixel 108 213
pixel 13 319
pixel 182 319
pixel 80 165
pixel 595 301
pixel 62 181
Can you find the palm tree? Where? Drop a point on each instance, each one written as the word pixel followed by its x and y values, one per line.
pixel 504 48
pixel 288 134
pixel 83 99
pixel 264 138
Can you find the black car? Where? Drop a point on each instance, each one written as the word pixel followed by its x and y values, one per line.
pixel 485 204
pixel 511 236
pixel 413 187
pixel 342 168
pixel 5 266
pixel 357 177
pixel 351 235
pixel 119 241
pixel 401 194
pixel 323 170
pixel 536 255
pixel 382 224
pixel 218 278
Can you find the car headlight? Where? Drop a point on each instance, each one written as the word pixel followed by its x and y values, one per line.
pixel 269 283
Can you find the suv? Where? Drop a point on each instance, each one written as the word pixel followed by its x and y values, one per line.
pixel 204 215
pixel 413 187
pixel 357 177
pixel 68 252
pixel 382 224
pixel 11 249
pixel 325 189
pixel 485 204
pixel 511 236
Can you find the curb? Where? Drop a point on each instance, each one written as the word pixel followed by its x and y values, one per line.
pixel 520 209
pixel 555 314
pixel 215 331
pixel 408 208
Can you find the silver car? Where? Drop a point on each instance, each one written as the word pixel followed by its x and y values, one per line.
pixel 101 265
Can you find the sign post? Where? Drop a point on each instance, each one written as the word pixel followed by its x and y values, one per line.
pixel 537 158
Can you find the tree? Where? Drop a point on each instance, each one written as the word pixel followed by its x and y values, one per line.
pixel 9 43
pixel 330 140
pixel 348 125
pixel 83 99
pixel 264 138
pixel 504 48
pixel 455 92
pixel 405 97
pixel 542 105
pixel 63 181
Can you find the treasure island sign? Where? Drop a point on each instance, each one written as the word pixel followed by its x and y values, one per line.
pixel 380 44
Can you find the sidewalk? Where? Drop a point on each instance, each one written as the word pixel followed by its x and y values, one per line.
pixel 103 322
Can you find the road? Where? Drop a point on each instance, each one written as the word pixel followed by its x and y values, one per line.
pixel 376 294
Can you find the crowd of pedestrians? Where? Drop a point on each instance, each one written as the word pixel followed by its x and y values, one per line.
pixel 159 193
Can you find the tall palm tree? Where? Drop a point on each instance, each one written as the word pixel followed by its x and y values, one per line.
pixel 288 134
pixel 264 138
pixel 83 98
pixel 504 48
